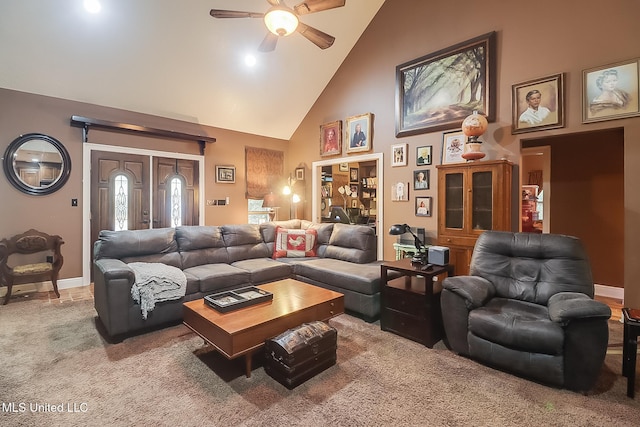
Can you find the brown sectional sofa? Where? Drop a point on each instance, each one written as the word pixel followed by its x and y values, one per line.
pixel 218 258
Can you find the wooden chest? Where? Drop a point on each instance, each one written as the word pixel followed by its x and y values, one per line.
pixel 301 353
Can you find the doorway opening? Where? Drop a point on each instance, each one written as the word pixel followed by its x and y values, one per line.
pixel 317 190
pixel 586 174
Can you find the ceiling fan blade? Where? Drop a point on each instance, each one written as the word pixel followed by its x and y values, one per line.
pixel 220 13
pixel 268 43
pixel 315 36
pixel 312 6
pixel 274 2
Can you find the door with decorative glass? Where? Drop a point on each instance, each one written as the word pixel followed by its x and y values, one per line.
pixel 121 194
pixel 175 192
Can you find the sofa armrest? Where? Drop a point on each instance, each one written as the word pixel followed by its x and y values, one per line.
pixel 112 281
pixel 475 290
pixel 113 269
pixel 567 306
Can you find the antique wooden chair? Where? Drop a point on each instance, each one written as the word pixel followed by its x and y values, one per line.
pixel 22 246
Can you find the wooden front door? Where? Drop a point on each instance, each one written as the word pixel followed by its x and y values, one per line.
pixel 171 202
pixel 106 207
pixel 108 210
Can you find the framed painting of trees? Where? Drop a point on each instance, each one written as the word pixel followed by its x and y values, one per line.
pixel 437 91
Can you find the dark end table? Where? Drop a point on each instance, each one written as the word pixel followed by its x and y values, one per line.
pixel 410 300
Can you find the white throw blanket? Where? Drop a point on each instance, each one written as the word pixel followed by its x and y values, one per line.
pixel 156 282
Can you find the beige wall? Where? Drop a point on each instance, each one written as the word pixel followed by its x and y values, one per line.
pixel 556 37
pixel 22 113
pixel 533 42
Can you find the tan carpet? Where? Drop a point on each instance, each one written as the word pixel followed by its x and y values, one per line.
pixel 54 355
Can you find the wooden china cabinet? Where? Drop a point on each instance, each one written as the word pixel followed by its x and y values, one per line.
pixel 472 198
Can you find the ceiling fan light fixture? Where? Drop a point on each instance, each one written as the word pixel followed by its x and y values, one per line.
pixel 281 21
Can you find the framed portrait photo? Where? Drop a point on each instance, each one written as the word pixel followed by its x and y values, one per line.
pixel 423 206
pixel 331 138
pixel 423 155
pixel 399 155
pixel 538 104
pixel 299 174
pixel 359 133
pixel 421 179
pixel 611 91
pixel 452 147
pixel 225 174
pixel 470 64
pixel 353 174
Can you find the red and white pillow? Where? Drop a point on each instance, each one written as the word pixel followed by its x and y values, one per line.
pixel 295 243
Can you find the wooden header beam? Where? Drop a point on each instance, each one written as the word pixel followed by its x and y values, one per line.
pixel 86 123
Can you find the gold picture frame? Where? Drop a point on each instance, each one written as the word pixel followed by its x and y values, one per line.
pixel 359 133
pixel 611 91
pixel 331 139
pixel 538 104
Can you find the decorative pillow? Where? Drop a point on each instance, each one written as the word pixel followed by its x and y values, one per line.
pixel 295 243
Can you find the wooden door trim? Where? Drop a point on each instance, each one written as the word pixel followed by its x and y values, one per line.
pixel 87 148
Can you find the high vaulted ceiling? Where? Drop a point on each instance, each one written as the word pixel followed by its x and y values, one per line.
pixel 171 58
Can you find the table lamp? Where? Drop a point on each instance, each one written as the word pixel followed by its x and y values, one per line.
pixel 421 255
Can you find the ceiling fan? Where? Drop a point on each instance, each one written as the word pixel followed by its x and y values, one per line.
pixel 282 21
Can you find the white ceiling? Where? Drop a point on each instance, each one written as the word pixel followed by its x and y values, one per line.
pixel 170 58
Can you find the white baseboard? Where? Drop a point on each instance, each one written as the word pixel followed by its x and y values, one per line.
pixel 45 286
pixel 609 292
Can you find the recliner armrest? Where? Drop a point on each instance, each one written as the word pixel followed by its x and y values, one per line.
pixel 567 306
pixel 475 290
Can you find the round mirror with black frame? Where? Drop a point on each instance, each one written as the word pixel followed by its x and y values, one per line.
pixel 37 164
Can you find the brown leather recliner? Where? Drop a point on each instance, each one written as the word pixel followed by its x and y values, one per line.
pixel 527 307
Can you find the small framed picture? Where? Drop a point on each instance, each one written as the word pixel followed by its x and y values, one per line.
pixel 299 174
pixel 354 203
pixel 354 190
pixel 359 133
pixel 611 91
pixel 353 175
pixel 400 192
pixel 453 147
pixel 421 179
pixel 331 138
pixel 423 155
pixel 423 206
pixel 538 104
pixel 344 167
pixel 399 155
pixel 225 174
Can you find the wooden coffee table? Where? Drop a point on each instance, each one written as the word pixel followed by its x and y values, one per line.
pixel 241 332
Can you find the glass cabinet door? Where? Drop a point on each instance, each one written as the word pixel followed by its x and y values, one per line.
pixel 482 200
pixel 454 209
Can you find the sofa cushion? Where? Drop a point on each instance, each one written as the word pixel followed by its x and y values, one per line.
pixel 201 245
pixel 244 241
pixel 134 243
pixel 517 325
pixel 264 270
pixel 291 243
pixel 362 278
pixel 215 277
pixel 353 243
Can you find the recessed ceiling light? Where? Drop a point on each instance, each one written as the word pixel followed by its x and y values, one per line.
pixel 92 6
pixel 250 60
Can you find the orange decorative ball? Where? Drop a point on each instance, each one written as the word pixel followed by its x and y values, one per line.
pixel 474 125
